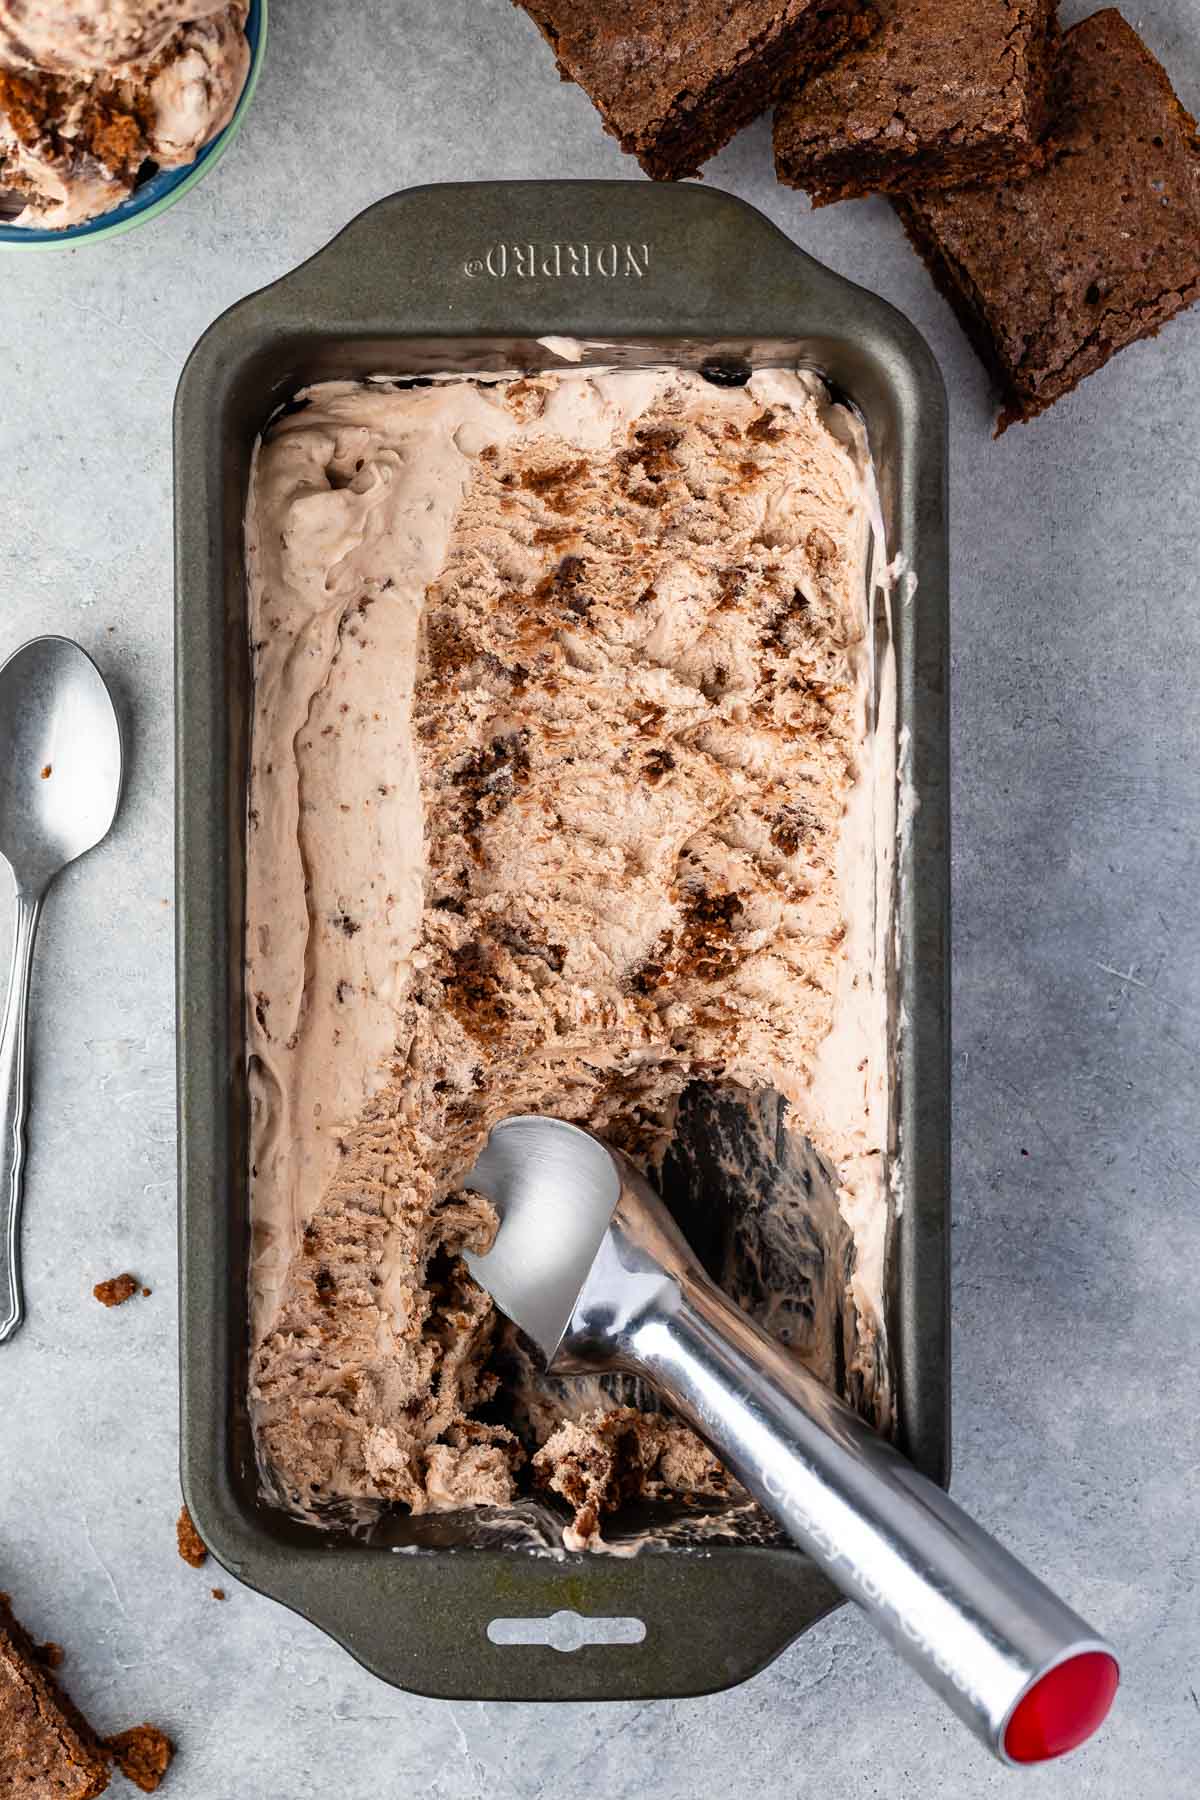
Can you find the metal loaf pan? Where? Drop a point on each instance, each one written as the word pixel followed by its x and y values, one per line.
pixel 468 277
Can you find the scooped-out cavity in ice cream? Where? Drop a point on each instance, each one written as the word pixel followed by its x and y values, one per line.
pixel 564 798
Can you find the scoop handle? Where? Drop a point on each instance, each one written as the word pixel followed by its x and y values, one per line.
pixel 1026 1674
pixel 14 1083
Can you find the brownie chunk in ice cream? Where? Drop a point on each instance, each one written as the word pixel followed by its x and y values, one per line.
pixel 1053 273
pixel 675 79
pixel 606 1458
pixel 560 802
pixel 943 93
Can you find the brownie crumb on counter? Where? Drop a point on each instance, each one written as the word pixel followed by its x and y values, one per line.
pixel 191 1545
pixel 673 80
pixel 143 1755
pixel 1052 274
pixel 117 1289
pixel 47 1747
pixel 218 1593
pixel 50 1654
pixel 945 92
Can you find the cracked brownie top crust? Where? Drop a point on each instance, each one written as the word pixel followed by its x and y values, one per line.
pixel 1054 273
pixel 944 92
pixel 560 802
pixel 674 80
pixel 48 1751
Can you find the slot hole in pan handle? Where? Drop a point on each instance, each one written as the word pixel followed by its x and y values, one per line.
pixel 567 1631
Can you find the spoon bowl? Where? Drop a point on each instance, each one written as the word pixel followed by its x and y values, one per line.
pixel 60 759
pixel 61 771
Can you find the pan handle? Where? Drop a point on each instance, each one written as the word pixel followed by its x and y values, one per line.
pixel 568 258
pixel 423 1621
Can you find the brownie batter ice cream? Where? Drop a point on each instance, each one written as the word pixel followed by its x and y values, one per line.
pixel 91 35
pixel 93 95
pixel 564 798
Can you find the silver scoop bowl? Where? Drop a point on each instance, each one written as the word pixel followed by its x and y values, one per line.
pixel 589 1263
pixel 60 784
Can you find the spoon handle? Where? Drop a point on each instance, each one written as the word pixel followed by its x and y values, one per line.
pixel 14 1075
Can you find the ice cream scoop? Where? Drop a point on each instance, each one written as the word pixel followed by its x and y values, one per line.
pixel 588 1262
pixel 60 784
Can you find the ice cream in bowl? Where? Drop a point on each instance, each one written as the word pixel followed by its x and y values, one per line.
pixel 110 110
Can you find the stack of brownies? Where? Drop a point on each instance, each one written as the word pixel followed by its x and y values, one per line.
pixel 1050 181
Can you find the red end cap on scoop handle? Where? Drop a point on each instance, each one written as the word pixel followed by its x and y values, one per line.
pixel 1062 1710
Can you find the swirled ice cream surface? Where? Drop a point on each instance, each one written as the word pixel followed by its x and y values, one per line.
pixel 572 792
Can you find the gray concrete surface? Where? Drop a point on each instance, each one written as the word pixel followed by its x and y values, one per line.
pixel 1077 988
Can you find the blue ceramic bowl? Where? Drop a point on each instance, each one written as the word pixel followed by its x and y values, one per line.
pixel 165 188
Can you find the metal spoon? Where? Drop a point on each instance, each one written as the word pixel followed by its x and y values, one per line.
pixel 589 1263
pixel 61 769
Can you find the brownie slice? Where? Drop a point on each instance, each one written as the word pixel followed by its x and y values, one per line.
pixel 675 79
pixel 47 1747
pixel 945 92
pixel 1054 273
